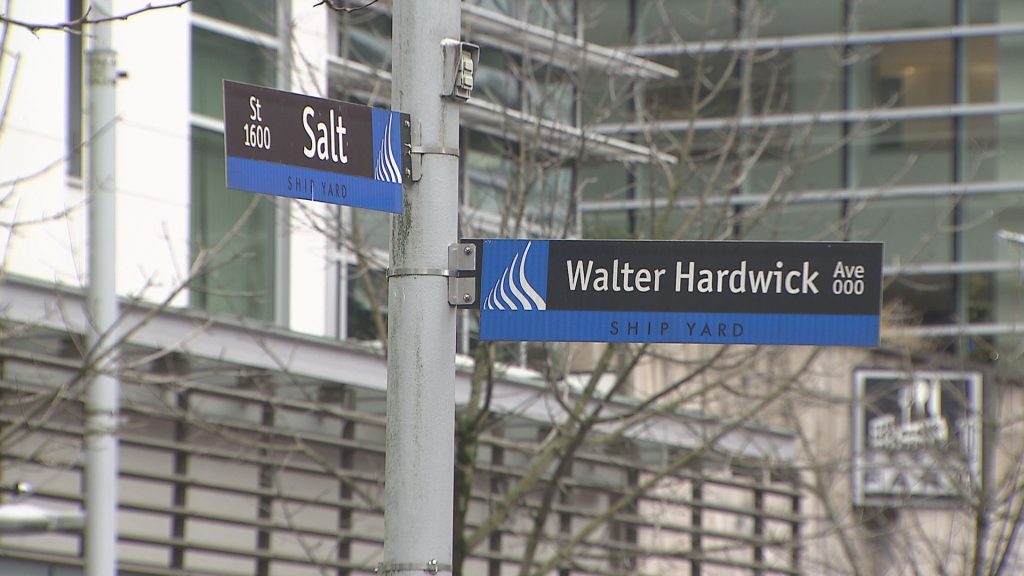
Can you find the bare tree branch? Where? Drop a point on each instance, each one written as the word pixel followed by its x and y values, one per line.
pixel 86 20
pixel 333 5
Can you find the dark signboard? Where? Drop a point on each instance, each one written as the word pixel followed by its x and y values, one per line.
pixel 916 437
pixel 310 148
pixel 726 292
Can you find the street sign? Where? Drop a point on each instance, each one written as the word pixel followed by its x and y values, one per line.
pixel 310 148
pixel 728 292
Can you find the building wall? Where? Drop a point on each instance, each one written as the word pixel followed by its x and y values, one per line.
pixel 231 468
pixel 32 148
pixel 152 155
pixel 154 159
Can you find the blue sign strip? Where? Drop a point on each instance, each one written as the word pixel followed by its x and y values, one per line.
pixel 677 327
pixel 309 184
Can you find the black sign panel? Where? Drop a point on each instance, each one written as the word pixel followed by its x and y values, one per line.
pixel 311 148
pixel 724 276
pixel 304 131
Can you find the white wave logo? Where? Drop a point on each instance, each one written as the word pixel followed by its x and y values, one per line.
pixel 514 291
pixel 387 168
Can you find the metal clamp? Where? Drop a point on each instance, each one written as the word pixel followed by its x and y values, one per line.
pixel 442 150
pixel 462 284
pixel 417 151
pixel 461 273
pixel 443 272
pixel 431 567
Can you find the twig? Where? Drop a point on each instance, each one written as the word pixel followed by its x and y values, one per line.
pixel 345 9
pixel 85 20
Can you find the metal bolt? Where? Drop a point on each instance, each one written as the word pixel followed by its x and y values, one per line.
pixel 467 298
pixel 432 565
pixel 468 250
pixel 19 488
pixel 407 123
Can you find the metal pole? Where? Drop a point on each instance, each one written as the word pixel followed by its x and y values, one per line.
pixel 282 211
pixel 419 474
pixel 102 401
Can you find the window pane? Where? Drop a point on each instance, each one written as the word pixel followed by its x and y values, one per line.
pixel 792 18
pixel 812 82
pixel 240 276
pixel 890 15
pixel 618 224
pixel 793 222
pixel 606 22
pixel 980 297
pixel 605 181
pixel 488 171
pixel 494 78
pixel 712 85
pixel 216 58
pixel 798 159
pixel 550 197
pixel 914 231
pixel 554 15
pixel 365 36
pixel 924 299
pixel 981 69
pixel 663 21
pixel 706 87
pixel 370 229
pixel 668 223
pixel 992 229
pixel 551 14
pixel 912 74
pixel 982 11
pixel 367 303
pixel 904 152
pixel 74 101
pixel 258 15
pixel 550 94
pixel 983 145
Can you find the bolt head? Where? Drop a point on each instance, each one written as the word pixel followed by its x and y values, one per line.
pixel 467 298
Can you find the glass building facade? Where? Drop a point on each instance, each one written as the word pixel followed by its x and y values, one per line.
pixel 891 121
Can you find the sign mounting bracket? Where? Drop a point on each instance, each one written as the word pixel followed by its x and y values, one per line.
pixel 462 274
pixel 417 151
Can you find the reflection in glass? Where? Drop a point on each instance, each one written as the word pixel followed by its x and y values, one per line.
pixel 258 15
pixel 216 58
pixel 234 232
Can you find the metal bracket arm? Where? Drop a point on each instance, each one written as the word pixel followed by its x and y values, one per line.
pixel 443 272
pixel 430 567
pixel 417 151
pixel 462 282
pixel 461 273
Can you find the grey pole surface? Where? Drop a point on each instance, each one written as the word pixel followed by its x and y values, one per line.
pixel 420 443
pixel 282 206
pixel 102 398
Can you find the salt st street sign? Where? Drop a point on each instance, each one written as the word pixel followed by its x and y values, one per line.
pixel 298 146
pixel 723 292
